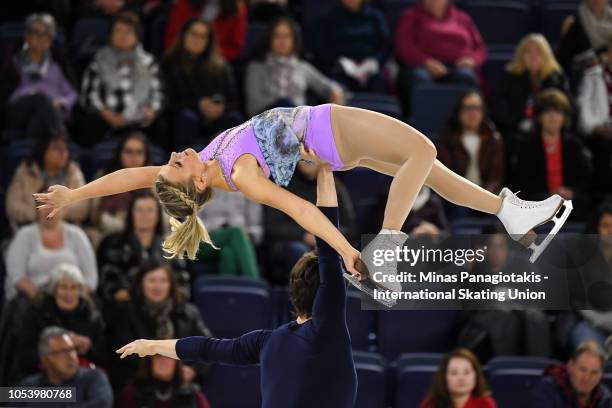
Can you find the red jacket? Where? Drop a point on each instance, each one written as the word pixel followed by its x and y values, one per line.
pixel 231 32
pixel 419 36
pixel 473 402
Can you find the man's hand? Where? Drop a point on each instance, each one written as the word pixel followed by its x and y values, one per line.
pixel 466 62
pixel 141 347
pixel 115 120
pixel 435 68
pixel 26 286
pixel 82 343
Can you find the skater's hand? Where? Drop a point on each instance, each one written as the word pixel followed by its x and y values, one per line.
pixel 58 197
pixel 141 347
pixel 351 259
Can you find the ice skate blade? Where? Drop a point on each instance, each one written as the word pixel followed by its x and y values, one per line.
pixel 539 248
pixel 367 286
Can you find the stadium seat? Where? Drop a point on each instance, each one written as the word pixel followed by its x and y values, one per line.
pixel 495 66
pixel 18 150
pixel 233 386
pixel 370 369
pixel 413 381
pixel 367 188
pixel 88 36
pixel 102 154
pixel 432 105
pixel 553 15
pixel 361 323
pixel 437 331
pixel 419 359
pixel 490 15
pixel 156 35
pixel 471 225
pixel 511 386
pixel 282 305
pixel 393 10
pixel 382 103
pixel 528 362
pixel 232 306
pixel 255 38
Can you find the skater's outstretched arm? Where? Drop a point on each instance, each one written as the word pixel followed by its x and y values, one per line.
pixel 116 182
pixel 260 189
pixel 241 350
pixel 329 307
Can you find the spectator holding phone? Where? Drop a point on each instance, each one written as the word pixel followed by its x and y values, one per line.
pixel 200 85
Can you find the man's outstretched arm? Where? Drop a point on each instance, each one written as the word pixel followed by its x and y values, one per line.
pixel 241 350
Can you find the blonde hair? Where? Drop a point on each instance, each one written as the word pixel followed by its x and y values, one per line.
pixel 183 201
pixel 550 65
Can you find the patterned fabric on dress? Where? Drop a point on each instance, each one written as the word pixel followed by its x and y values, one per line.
pixel 279 133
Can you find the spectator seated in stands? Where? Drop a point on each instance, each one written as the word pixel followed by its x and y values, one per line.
pixel 235 225
pixel 58 355
pixel 532 69
pixel 160 383
pixel 228 18
pixel 550 160
pixel 589 29
pixel 499 255
pixel 37 248
pixel 427 215
pixel 435 41
pixel 596 324
pixel 595 118
pixel 280 78
pixel 64 303
pixel 576 383
pixel 37 95
pixel 352 45
pixel 121 89
pixel 156 309
pixel 120 255
pixel 109 213
pixel 470 145
pixel 459 382
pixel 285 239
pixel 49 164
pixel 201 90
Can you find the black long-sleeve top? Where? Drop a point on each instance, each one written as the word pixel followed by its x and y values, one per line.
pixel 302 365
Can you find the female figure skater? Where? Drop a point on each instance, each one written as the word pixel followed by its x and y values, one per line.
pixel 271 143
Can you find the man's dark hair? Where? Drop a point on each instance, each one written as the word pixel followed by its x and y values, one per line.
pixel 303 283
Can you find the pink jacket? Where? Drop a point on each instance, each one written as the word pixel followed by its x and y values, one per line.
pixel 420 35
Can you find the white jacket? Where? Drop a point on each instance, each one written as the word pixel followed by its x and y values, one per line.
pixel 593 103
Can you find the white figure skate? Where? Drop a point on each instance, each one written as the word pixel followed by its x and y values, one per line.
pixel 520 217
pixel 382 241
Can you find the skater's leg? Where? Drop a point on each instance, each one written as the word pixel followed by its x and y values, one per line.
pixel 361 135
pixel 451 186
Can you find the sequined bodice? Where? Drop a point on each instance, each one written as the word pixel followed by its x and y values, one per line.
pixel 273 137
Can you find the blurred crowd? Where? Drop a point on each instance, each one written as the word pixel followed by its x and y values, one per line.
pixel 88 87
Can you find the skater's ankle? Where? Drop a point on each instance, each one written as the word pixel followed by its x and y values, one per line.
pixel 390 231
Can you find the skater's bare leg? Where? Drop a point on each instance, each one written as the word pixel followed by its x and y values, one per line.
pixel 451 186
pixel 392 147
pixel 361 135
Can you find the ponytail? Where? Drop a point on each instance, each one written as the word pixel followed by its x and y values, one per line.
pixel 183 202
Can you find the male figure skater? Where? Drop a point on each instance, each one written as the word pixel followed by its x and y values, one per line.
pixel 304 363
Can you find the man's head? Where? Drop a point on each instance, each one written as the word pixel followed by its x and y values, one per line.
pixel 58 354
pixel 585 367
pixel 303 284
